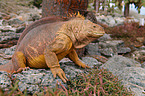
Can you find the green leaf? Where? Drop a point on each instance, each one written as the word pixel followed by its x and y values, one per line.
pixel 136 1
pixel 117 3
pixel 126 1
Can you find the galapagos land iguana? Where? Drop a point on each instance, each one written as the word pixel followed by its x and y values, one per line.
pixel 45 42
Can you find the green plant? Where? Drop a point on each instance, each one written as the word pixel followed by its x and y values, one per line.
pixel 98 82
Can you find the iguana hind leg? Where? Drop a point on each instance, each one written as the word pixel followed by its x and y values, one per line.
pixel 74 57
pixel 18 62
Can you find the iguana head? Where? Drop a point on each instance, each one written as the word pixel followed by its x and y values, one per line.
pixel 81 32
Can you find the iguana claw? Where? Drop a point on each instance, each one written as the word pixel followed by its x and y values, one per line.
pixel 21 69
pixel 60 73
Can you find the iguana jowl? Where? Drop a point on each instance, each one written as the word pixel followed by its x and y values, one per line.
pixel 45 42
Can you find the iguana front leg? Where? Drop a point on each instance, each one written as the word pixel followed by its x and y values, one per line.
pixel 74 57
pixel 55 51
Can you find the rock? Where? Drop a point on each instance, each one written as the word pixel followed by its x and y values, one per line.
pixel 34 17
pixel 3 60
pixel 119 20
pixel 30 16
pixel 81 52
pixel 8 36
pixel 20 29
pixel 15 21
pixel 143 65
pixel 2 15
pixel 102 19
pixel 134 78
pixel 36 79
pixel 109 52
pixel 129 71
pixel 105 37
pixel 71 70
pixel 140 39
pixel 37 3
pixel 138 55
pixel 144 42
pixel 142 48
pixel 92 49
pixel 112 43
pixel 1 22
pixel 123 50
pixel 7 29
pixel 113 47
pixel 13 15
pixel 109 48
pixel 5 81
pixel 117 63
pixel 12 22
pixel 8 39
pixel 111 21
pixel 91 62
pixel 7 53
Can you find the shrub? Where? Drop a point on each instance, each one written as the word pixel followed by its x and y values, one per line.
pixel 128 32
pixel 98 82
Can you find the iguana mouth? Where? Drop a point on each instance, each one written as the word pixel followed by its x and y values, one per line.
pixel 96 34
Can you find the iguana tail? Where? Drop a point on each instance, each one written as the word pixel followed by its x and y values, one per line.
pixel 9 67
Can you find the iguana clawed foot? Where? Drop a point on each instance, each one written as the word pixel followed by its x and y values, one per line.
pixel 58 71
pixel 84 66
pixel 21 69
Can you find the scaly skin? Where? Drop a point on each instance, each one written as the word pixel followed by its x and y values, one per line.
pixel 44 43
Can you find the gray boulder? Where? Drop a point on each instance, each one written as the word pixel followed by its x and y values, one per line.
pixel 113 47
pixel 92 49
pixel 123 50
pixel 143 65
pixel 20 29
pixel 109 52
pixel 129 70
pixel 5 81
pixel 117 63
pixel 7 28
pixel 15 21
pixel 138 55
pixel 6 54
pixel 91 62
pixel 105 37
pixel 36 79
pixel 134 78
pixel 142 48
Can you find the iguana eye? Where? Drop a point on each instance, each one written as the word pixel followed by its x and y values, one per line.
pixel 94 26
